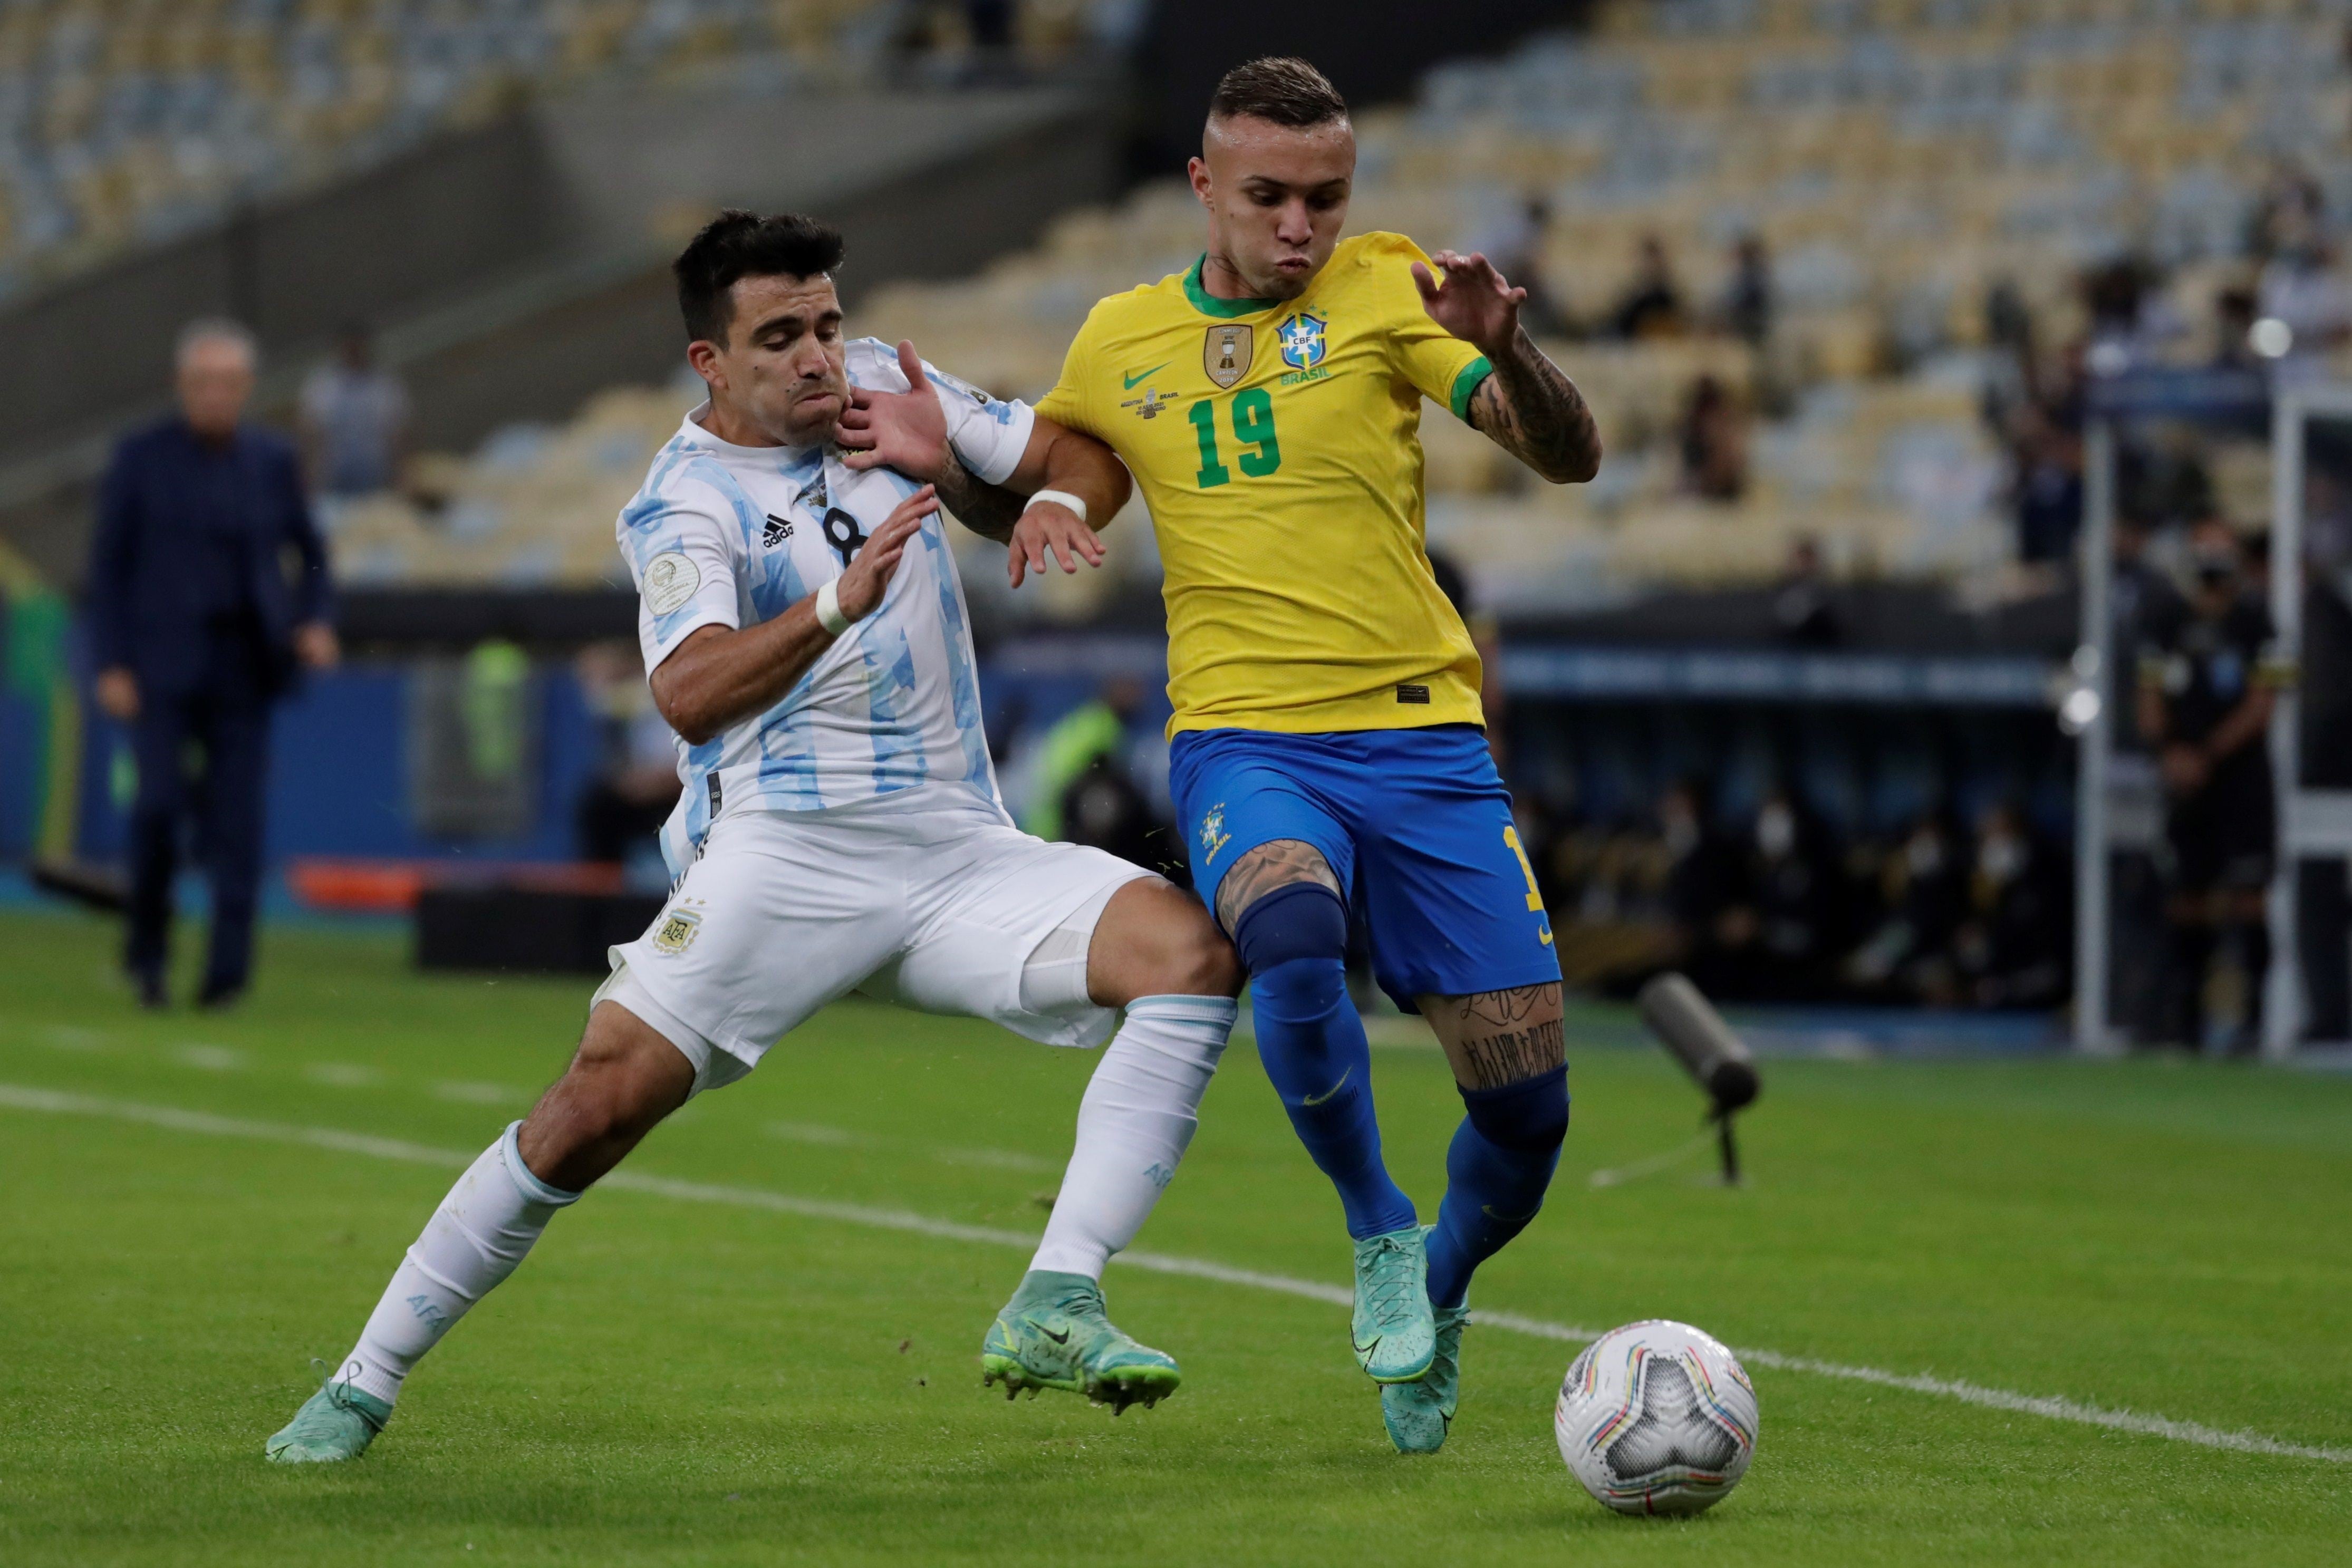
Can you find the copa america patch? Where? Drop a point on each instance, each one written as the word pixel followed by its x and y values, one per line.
pixel 1225 352
pixel 670 581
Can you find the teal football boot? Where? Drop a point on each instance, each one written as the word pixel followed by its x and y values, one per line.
pixel 1395 1336
pixel 336 1423
pixel 1419 1414
pixel 1053 1334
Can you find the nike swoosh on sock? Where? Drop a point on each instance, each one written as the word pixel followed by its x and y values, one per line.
pixel 1324 1098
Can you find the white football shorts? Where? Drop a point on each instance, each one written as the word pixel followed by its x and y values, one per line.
pixel 926 897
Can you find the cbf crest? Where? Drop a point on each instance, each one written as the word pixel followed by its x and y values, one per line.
pixel 1225 352
pixel 1213 836
pixel 1301 337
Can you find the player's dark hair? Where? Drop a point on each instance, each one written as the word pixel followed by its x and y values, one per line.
pixel 1282 89
pixel 737 245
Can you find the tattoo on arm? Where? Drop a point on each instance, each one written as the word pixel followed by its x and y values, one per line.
pixel 1265 868
pixel 1531 410
pixel 988 510
pixel 1497 1039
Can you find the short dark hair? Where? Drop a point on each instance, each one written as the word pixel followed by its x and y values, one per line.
pixel 1278 87
pixel 737 244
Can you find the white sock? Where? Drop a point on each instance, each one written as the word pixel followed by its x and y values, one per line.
pixel 1138 1113
pixel 474 1239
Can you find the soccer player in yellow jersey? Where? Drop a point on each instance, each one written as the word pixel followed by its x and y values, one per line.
pixel 1327 755
pixel 1328 759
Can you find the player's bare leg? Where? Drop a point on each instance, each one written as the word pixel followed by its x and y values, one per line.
pixel 1508 1053
pixel 1155 953
pixel 622 1081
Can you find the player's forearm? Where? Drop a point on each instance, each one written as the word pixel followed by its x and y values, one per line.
pixel 988 510
pixel 718 677
pixel 1082 466
pixel 1056 459
pixel 1531 410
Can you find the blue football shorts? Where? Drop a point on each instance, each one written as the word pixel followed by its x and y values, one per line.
pixel 1415 823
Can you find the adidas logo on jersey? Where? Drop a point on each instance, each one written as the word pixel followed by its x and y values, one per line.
pixel 778 530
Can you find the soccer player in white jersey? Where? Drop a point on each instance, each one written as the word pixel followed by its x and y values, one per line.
pixel 804 633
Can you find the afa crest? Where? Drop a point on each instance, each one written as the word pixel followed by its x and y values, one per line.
pixel 676 931
pixel 1302 340
pixel 1213 836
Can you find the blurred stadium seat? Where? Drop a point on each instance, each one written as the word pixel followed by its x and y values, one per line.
pixel 1898 162
pixel 128 121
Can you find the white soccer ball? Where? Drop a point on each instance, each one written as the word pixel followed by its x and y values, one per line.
pixel 1656 1417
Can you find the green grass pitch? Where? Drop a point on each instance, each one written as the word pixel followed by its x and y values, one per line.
pixel 681 1382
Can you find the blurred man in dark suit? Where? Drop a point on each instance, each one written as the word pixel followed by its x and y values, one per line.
pixel 198 621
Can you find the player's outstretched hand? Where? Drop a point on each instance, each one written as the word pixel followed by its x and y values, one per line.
pixel 1473 301
pixel 1048 526
pixel 861 588
pixel 906 431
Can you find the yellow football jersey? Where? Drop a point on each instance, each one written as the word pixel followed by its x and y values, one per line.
pixel 1277 445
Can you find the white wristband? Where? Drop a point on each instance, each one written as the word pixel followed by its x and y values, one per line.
pixel 1060 498
pixel 828 608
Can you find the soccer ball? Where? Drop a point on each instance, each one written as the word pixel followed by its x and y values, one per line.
pixel 1656 1417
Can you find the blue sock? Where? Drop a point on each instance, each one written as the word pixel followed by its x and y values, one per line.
pixel 1293 941
pixel 1496 1169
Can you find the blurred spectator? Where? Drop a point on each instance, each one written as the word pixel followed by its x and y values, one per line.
pixel 1092 733
pixel 2012 949
pixel 1922 892
pixel 2046 485
pixel 1517 253
pixel 2131 320
pixel 991 22
pixel 2141 600
pixel 1714 441
pixel 2208 683
pixel 2009 362
pixel 2286 213
pixel 989 28
pixel 2234 313
pixel 1800 606
pixel 2322 894
pixel 195 631
pixel 354 420
pixel 1652 306
pixel 2301 289
pixel 2141 603
pixel 1778 938
pixel 995 59
pixel 1705 878
pixel 1747 308
pixel 619 815
pixel 1104 808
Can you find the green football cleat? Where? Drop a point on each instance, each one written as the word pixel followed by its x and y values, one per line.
pixel 1420 1413
pixel 1394 1336
pixel 1053 1333
pixel 336 1423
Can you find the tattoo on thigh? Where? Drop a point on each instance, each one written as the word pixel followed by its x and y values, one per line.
pixel 1500 1040
pixel 1265 868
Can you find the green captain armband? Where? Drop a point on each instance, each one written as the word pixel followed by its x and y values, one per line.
pixel 1465 386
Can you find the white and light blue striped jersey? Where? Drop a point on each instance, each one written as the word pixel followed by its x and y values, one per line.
pixel 721 535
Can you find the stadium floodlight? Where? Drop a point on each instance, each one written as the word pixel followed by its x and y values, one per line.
pixel 1718 1060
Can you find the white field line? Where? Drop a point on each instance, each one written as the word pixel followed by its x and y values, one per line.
pixel 60 1103
pixel 842 1138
